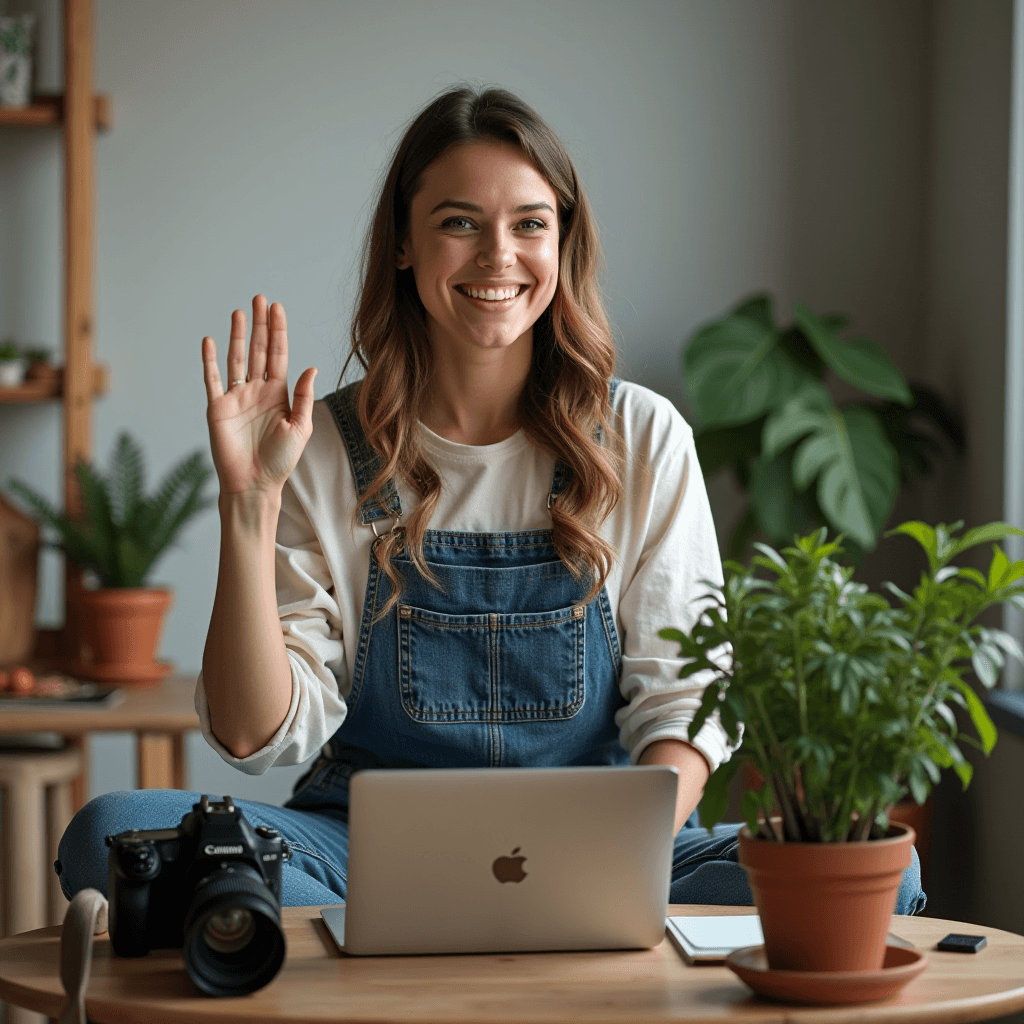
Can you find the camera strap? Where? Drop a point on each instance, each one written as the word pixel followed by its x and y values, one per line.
pixel 85 917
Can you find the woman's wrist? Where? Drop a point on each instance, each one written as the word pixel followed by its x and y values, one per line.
pixel 254 511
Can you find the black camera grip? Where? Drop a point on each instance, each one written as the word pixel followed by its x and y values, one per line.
pixel 129 914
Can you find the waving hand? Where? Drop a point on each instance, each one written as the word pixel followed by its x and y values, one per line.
pixel 255 436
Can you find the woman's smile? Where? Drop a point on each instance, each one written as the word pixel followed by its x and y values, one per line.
pixel 491 296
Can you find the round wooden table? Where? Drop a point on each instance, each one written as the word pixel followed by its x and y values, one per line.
pixel 317 983
pixel 158 715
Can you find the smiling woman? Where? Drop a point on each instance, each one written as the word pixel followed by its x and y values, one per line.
pixel 464 558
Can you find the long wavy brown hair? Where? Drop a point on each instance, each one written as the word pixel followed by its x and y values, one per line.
pixel 564 408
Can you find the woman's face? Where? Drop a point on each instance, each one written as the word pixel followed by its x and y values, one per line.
pixel 483 247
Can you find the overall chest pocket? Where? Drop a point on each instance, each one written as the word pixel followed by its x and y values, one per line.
pixel 492 667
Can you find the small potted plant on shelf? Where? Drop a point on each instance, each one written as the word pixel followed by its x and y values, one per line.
pixel 122 535
pixel 39 365
pixel 843 702
pixel 16 59
pixel 12 365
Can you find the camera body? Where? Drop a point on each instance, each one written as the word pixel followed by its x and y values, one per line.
pixel 170 887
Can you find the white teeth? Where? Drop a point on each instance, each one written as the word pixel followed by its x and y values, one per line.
pixel 491 294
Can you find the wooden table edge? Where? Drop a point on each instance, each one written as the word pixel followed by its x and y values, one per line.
pixel 103 1007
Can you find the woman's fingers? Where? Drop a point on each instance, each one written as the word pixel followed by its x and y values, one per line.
pixel 277 353
pixel 236 347
pixel 211 375
pixel 258 341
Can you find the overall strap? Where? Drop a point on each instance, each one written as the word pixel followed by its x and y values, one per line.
pixel 562 474
pixel 365 462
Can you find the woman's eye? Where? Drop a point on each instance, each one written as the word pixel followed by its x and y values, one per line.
pixel 533 224
pixel 456 222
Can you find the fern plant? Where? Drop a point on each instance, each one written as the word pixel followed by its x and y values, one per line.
pixel 124 532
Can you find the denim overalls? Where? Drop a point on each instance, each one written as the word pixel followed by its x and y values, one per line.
pixel 503 665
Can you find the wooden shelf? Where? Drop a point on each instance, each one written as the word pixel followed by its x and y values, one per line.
pixel 53 388
pixel 48 111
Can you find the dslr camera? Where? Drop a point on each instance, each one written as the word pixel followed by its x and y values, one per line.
pixel 211 886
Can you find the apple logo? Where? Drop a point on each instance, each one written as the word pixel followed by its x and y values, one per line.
pixel 509 869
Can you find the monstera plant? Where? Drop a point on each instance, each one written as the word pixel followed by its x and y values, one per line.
pixel 763 407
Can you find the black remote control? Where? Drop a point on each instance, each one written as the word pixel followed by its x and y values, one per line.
pixel 963 943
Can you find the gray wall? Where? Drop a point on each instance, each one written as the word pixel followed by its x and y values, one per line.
pixel 248 137
pixel 846 154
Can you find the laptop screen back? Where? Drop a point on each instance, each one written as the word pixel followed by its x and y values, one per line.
pixel 508 859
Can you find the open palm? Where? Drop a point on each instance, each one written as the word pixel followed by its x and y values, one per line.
pixel 256 438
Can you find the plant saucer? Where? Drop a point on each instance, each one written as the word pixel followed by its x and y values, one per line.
pixel 901 965
pixel 152 672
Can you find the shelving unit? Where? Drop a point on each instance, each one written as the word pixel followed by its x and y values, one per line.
pixel 79 114
pixel 48 112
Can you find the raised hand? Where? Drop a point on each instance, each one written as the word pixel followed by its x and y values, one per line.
pixel 255 436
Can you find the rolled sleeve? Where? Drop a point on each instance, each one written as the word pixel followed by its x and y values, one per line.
pixel 678 567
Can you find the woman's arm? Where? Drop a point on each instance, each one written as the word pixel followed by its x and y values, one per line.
pixel 256 440
pixel 694 772
pixel 245 667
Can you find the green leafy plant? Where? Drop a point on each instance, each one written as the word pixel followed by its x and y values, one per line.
pixel 124 532
pixel 842 701
pixel 762 407
pixel 9 351
pixel 15 40
pixel 37 355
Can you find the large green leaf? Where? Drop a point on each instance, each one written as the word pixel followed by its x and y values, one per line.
pixel 858 361
pixel 715 800
pixel 781 512
pixel 718 447
pixel 759 308
pixel 735 371
pixel 847 452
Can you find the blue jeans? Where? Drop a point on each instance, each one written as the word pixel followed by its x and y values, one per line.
pixel 704 868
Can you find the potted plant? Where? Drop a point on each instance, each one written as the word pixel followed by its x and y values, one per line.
pixel 16 59
pixel 122 535
pixel 12 365
pixel 843 702
pixel 763 409
pixel 39 365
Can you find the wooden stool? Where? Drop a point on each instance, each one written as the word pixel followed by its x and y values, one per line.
pixel 37 809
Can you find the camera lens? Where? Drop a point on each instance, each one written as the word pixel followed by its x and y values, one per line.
pixel 233 938
pixel 230 930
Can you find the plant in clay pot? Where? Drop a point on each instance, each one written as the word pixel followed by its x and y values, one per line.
pixel 843 700
pixel 123 534
pixel 39 365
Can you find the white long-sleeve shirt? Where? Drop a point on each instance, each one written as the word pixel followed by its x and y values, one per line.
pixel 662 530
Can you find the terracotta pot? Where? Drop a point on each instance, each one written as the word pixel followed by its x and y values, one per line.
pixel 118 632
pixel 41 370
pixel 826 906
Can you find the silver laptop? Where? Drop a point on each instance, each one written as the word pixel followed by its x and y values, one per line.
pixel 493 860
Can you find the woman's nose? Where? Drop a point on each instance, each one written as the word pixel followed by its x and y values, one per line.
pixel 496 250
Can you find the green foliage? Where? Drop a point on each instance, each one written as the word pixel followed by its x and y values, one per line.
pixel 9 351
pixel 842 701
pixel 763 410
pixel 123 532
pixel 15 41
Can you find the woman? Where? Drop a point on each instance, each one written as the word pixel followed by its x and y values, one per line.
pixel 463 559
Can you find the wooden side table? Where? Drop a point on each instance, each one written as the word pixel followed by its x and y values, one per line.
pixel 159 716
pixel 317 983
